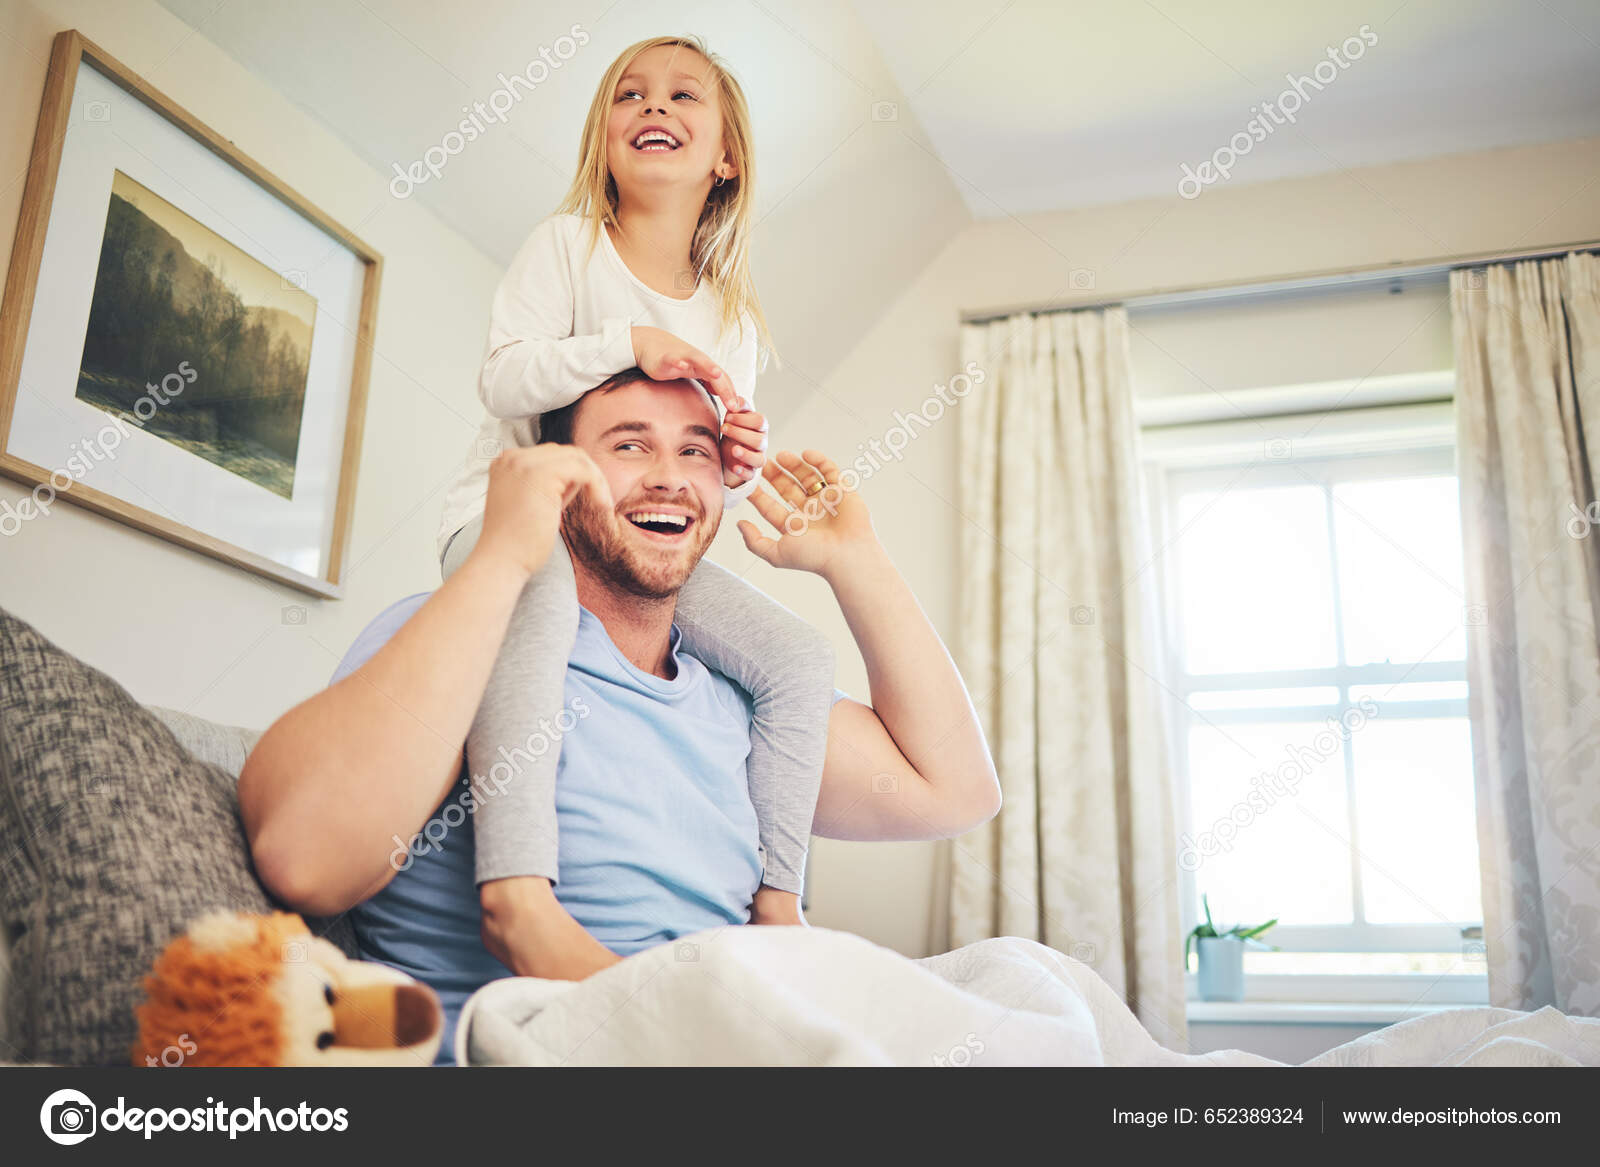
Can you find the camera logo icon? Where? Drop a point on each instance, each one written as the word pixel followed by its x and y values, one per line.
pixel 685 952
pixel 67 1117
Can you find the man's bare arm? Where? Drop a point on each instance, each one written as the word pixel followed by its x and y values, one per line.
pixel 913 765
pixel 330 784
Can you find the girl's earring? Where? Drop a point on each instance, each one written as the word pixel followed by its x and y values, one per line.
pixel 720 180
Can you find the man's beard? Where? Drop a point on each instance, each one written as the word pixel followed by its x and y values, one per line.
pixel 594 538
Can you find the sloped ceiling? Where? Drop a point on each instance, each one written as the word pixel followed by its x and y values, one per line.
pixel 853 202
pixel 883 128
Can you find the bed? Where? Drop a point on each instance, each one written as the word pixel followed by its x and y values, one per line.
pixel 813 996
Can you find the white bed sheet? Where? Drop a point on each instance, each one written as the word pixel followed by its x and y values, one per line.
pixel 812 996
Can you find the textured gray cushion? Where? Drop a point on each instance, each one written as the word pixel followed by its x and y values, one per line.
pixel 112 839
pixel 221 745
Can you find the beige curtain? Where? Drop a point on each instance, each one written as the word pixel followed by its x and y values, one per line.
pixel 1056 644
pixel 1527 340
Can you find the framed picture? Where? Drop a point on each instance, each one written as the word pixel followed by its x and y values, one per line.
pixel 184 341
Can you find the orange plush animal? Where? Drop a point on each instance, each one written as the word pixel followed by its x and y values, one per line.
pixel 244 990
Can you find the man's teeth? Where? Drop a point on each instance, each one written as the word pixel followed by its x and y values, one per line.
pixel 655 140
pixel 679 521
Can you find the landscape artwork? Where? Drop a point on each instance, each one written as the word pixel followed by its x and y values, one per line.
pixel 195 341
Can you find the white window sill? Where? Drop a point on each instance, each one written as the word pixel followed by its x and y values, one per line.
pixel 1307 1012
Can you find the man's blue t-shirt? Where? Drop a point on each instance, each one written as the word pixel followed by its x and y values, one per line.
pixel 658 837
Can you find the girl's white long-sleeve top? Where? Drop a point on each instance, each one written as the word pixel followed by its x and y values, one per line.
pixel 560 325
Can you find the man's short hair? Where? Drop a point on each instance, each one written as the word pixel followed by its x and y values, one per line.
pixel 559 424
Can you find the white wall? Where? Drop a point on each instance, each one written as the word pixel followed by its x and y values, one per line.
pixel 175 627
pixel 1344 333
pixel 1497 200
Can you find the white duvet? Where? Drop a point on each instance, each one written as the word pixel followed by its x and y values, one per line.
pixel 815 997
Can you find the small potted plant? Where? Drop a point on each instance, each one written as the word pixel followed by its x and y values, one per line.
pixel 1222 956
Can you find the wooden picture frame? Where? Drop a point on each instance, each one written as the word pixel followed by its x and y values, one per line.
pixel 337 372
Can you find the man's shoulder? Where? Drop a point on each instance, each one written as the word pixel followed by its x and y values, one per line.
pixel 727 695
pixel 377 633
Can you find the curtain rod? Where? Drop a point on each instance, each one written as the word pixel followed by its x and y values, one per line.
pixel 1328 278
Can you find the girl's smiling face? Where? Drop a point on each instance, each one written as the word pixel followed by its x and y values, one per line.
pixel 666 122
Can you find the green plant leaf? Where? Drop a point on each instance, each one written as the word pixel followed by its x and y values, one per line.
pixel 1249 933
pixel 1207 906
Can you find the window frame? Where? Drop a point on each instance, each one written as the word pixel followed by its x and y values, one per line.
pixel 1378 442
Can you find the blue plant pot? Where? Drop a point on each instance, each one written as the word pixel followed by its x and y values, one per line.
pixel 1222 969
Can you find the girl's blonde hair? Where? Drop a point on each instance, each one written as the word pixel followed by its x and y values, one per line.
pixel 720 250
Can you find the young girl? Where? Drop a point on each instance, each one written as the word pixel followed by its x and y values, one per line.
pixel 646 263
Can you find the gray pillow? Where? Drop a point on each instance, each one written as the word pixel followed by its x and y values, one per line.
pixel 112 839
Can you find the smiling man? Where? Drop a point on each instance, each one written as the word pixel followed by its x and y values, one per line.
pixel 658 835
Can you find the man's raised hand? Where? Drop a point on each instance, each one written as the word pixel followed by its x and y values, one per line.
pixel 819 523
pixel 529 487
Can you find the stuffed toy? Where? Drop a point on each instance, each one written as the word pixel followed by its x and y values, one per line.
pixel 249 990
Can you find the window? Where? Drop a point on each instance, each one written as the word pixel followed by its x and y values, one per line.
pixel 1314 625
